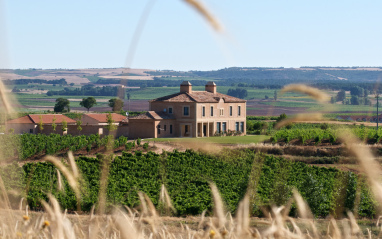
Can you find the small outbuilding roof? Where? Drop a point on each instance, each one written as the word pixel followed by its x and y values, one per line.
pixel 102 118
pixel 44 118
pixel 153 116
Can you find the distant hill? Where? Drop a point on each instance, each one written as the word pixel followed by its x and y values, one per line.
pixel 294 74
pixel 260 77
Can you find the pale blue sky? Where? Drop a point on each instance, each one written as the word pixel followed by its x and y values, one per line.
pixel 86 34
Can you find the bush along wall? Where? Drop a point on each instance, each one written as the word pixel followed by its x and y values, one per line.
pixel 269 181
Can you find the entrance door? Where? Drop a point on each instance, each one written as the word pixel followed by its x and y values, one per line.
pixel 204 130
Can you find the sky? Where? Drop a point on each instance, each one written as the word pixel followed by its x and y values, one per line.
pixel 274 33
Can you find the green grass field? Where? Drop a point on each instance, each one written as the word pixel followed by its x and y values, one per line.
pixel 247 139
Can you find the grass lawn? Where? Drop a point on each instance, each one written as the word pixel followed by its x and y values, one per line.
pixel 248 139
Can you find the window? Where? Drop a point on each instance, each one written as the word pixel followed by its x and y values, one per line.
pixel 158 129
pixel 164 127
pixel 224 127
pixel 186 110
pixel 239 110
pixel 186 129
pixel 170 110
pixel 237 126
pixel 221 112
pixel 203 111
pixel 212 111
pixel 31 131
pixel 242 127
pixel 218 127
pixel 170 128
pixel 230 111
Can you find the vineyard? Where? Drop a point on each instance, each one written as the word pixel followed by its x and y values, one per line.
pixel 32 145
pixel 268 180
pixel 319 133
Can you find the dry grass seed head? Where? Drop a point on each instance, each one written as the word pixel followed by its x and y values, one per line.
pixel 59 181
pixel 5 99
pixel 165 198
pixel 300 118
pixel 366 160
pixel 200 8
pixel 303 208
pixel 242 217
pixel 312 92
pixel 218 206
pixel 73 164
pixel 67 174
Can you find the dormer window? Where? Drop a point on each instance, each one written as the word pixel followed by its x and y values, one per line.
pixel 170 110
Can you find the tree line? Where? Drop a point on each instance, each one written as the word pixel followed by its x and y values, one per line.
pixel 63 105
pixel 87 90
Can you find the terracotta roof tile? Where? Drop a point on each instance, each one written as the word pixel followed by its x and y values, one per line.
pixel 102 118
pixel 21 120
pixel 48 118
pixel 200 97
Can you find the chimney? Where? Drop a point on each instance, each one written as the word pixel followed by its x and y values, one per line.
pixel 211 87
pixel 186 87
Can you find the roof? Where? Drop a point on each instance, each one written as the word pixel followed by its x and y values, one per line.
pixel 21 120
pixel 154 116
pixel 48 118
pixel 199 97
pixel 102 118
pixel 45 118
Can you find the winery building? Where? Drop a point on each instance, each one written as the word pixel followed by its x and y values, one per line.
pixel 191 114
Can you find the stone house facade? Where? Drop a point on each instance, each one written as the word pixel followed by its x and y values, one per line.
pixel 191 114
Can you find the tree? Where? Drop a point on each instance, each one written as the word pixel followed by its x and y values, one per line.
pixel 110 123
pixel 64 126
pixel 332 100
pixel 79 123
pixel 61 104
pixel 275 96
pixel 54 125
pixel 116 104
pixel 357 91
pixel 283 116
pixel 354 100
pixel 88 102
pixel 238 92
pixel 40 127
pixel 341 95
